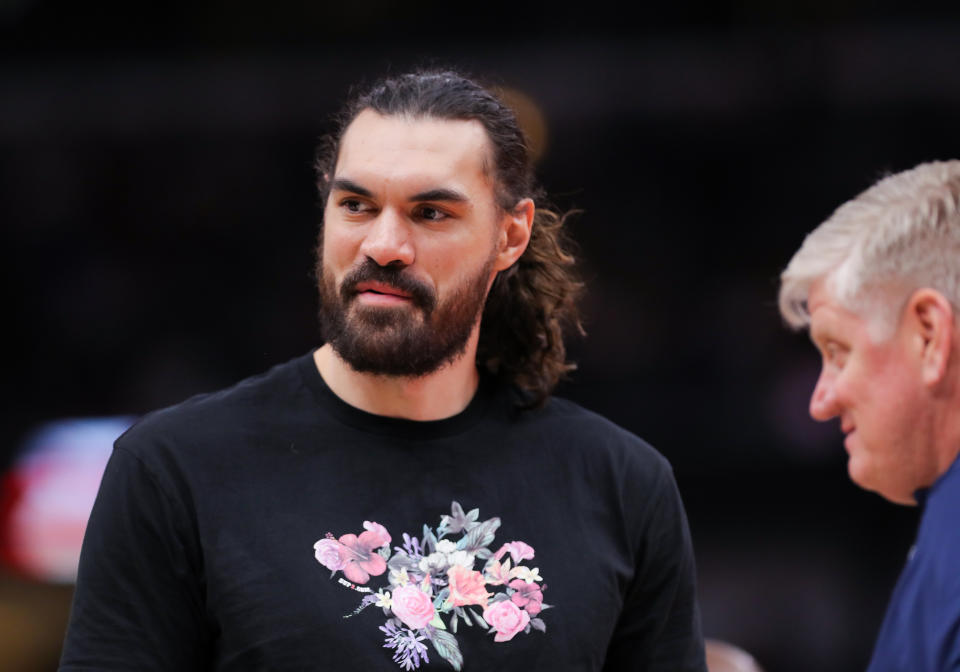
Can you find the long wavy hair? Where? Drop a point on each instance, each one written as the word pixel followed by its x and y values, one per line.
pixel 533 302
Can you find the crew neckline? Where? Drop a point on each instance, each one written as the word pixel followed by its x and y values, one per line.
pixel 401 428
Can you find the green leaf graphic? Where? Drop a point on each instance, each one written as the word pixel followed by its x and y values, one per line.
pixel 479 619
pixel 446 645
pixel 439 600
pixel 480 536
pixel 401 560
pixel 429 540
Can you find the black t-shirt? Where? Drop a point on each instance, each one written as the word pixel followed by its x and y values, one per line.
pixel 243 530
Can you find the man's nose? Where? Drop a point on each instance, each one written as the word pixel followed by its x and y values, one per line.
pixel 388 240
pixel 823 405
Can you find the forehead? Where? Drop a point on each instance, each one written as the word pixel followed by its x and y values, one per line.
pixel 874 318
pixel 423 151
pixel 819 297
pixel 827 316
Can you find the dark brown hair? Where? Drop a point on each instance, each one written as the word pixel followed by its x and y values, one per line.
pixel 530 303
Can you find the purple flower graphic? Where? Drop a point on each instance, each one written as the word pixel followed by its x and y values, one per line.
pixel 406 644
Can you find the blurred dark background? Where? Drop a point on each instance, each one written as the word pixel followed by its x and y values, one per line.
pixel 158 220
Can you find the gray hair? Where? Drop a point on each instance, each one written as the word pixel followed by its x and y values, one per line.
pixel 901 234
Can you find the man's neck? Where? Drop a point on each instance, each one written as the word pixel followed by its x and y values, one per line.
pixel 947 427
pixel 435 396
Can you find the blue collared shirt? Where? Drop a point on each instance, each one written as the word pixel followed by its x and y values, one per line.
pixel 921 630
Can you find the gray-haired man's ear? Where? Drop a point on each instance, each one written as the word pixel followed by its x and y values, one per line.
pixel 931 318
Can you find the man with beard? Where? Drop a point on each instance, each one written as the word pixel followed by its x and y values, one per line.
pixel 408 494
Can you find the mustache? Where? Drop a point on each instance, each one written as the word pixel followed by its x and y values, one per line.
pixel 421 295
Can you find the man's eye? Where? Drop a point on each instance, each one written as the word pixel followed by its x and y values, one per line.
pixel 353 205
pixel 430 214
pixel 835 354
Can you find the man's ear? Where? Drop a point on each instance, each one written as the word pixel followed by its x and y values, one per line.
pixel 514 235
pixel 930 316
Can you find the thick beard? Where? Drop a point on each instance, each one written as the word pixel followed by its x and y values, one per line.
pixel 406 341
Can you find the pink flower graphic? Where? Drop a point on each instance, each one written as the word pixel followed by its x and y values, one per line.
pixel 412 606
pixel 497 574
pixel 466 587
pixel 507 619
pixel 528 597
pixel 518 550
pixel 327 552
pixel 360 559
pixel 381 536
pixel 432 579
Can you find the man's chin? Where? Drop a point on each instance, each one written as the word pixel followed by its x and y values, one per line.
pixel 866 478
pixel 859 473
pixel 387 362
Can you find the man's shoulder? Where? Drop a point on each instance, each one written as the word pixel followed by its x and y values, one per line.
pixel 924 612
pixel 250 401
pixel 573 426
pixel 571 416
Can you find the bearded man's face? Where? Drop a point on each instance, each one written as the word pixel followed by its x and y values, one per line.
pixel 409 243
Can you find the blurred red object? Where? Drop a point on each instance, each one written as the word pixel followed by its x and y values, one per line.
pixel 47 495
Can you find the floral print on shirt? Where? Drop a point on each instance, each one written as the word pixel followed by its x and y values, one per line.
pixel 432 587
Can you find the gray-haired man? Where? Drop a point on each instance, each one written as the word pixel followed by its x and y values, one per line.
pixel 878 285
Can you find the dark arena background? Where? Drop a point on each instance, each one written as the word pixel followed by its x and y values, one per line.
pixel 159 216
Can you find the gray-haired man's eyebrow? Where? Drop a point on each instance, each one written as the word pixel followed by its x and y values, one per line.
pixel 342 184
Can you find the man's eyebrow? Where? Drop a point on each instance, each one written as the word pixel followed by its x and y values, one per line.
pixel 440 195
pixel 341 184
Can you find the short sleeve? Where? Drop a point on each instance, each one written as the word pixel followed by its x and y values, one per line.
pixel 139 599
pixel 659 628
